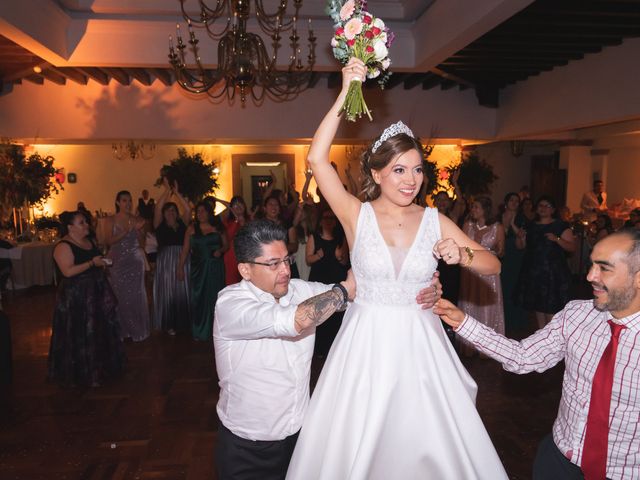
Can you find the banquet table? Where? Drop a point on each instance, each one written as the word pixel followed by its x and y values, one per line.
pixel 32 264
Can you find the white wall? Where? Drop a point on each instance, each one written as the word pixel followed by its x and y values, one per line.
pixel 93 113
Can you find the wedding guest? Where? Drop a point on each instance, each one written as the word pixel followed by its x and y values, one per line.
pixel 595 433
pixel 594 201
pixel 272 211
pixel 513 221
pixel 527 210
pixel 634 219
pixel 327 254
pixel 124 235
pixel 146 206
pixel 481 295
pixel 233 218
pixel 543 283
pixel 206 242
pixel 603 227
pixel 170 296
pixel 305 222
pixel 86 348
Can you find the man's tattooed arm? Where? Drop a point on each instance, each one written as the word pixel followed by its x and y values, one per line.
pixel 315 310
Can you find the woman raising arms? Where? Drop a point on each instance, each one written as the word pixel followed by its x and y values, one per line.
pixel 393 399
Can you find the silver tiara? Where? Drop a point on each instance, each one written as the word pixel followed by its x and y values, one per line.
pixel 392 131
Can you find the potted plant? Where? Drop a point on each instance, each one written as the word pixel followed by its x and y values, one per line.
pixel 24 180
pixel 195 177
pixel 476 175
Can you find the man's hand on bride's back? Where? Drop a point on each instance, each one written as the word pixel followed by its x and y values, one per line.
pixel 428 296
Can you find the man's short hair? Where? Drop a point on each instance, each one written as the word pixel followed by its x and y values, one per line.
pixel 250 239
pixel 633 255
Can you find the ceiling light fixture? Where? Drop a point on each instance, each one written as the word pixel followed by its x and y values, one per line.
pixel 133 150
pixel 244 64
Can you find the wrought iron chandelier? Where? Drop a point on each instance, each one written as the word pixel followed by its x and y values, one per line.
pixel 133 150
pixel 244 64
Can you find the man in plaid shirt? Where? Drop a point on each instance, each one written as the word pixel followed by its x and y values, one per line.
pixel 593 337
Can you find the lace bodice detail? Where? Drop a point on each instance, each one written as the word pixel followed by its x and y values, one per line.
pixel 373 267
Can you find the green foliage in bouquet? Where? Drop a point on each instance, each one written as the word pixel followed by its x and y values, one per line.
pixel 194 176
pixel 25 179
pixel 476 175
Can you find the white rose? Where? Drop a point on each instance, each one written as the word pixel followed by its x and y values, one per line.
pixel 383 37
pixel 380 50
pixel 386 63
pixel 334 42
pixel 378 23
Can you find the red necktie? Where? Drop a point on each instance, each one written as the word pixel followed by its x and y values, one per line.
pixel 594 456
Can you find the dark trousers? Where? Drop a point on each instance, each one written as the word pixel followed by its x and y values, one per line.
pixel 241 459
pixel 550 463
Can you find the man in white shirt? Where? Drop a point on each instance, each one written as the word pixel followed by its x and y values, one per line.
pixel 264 331
pixel 595 434
pixel 594 202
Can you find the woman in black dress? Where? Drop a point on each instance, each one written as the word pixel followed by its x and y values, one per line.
pixel 86 348
pixel 170 295
pixel 543 284
pixel 327 254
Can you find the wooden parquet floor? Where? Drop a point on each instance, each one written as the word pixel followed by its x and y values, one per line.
pixel 159 421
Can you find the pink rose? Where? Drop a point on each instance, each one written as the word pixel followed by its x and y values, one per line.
pixel 369 49
pixel 347 10
pixel 339 31
pixel 368 34
pixel 351 42
pixel 367 19
pixel 353 28
pixel 375 30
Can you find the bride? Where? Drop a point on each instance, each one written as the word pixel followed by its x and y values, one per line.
pixel 393 399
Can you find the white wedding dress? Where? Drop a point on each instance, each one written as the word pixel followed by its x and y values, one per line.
pixel 393 400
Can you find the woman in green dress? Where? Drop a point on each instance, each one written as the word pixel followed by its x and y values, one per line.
pixel 206 241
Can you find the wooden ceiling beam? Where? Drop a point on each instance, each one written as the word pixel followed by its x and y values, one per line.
pixel 447 84
pixel 415 79
pixel 431 82
pixel 119 75
pixel 165 75
pixel 95 74
pixel 140 74
pixel 451 76
pixel 53 76
pixel 396 79
pixel 35 78
pixel 71 74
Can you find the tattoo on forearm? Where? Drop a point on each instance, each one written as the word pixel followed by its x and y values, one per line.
pixel 317 309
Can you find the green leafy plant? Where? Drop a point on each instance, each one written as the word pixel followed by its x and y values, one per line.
pixel 430 170
pixel 476 175
pixel 194 176
pixel 25 179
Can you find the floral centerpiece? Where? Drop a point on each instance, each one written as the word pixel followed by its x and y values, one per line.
pixel 359 34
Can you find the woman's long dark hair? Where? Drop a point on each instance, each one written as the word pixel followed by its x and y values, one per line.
pixel 121 193
pixel 234 200
pixel 213 219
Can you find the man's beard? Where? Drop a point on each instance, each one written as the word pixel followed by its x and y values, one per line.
pixel 618 299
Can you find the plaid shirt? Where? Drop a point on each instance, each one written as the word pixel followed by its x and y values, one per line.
pixel 579 335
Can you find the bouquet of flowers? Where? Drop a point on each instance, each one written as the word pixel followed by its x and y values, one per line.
pixel 359 34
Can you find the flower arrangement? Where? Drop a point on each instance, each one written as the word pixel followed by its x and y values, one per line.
pixel 476 175
pixel 359 34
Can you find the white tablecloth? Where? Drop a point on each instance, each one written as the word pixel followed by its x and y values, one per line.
pixel 32 264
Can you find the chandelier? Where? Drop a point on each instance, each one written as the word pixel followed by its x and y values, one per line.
pixel 133 150
pixel 244 64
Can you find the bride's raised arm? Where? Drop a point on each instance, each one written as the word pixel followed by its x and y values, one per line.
pixel 344 205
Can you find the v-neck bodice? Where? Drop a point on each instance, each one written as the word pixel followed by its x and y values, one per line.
pixel 373 264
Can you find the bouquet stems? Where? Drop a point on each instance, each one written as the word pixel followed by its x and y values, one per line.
pixel 354 105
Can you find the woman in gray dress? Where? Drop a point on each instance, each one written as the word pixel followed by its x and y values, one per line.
pixel 125 237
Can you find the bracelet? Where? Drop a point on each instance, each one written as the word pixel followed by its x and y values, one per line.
pixel 345 294
pixel 470 255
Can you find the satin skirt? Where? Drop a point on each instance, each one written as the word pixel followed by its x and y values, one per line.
pixel 393 402
pixel 170 295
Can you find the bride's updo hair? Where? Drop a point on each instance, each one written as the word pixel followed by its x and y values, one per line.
pixel 386 151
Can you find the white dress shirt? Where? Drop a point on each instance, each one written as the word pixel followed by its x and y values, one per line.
pixel 263 364
pixel 579 335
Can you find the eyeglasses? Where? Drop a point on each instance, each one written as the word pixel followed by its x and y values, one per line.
pixel 276 263
pixel 544 205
